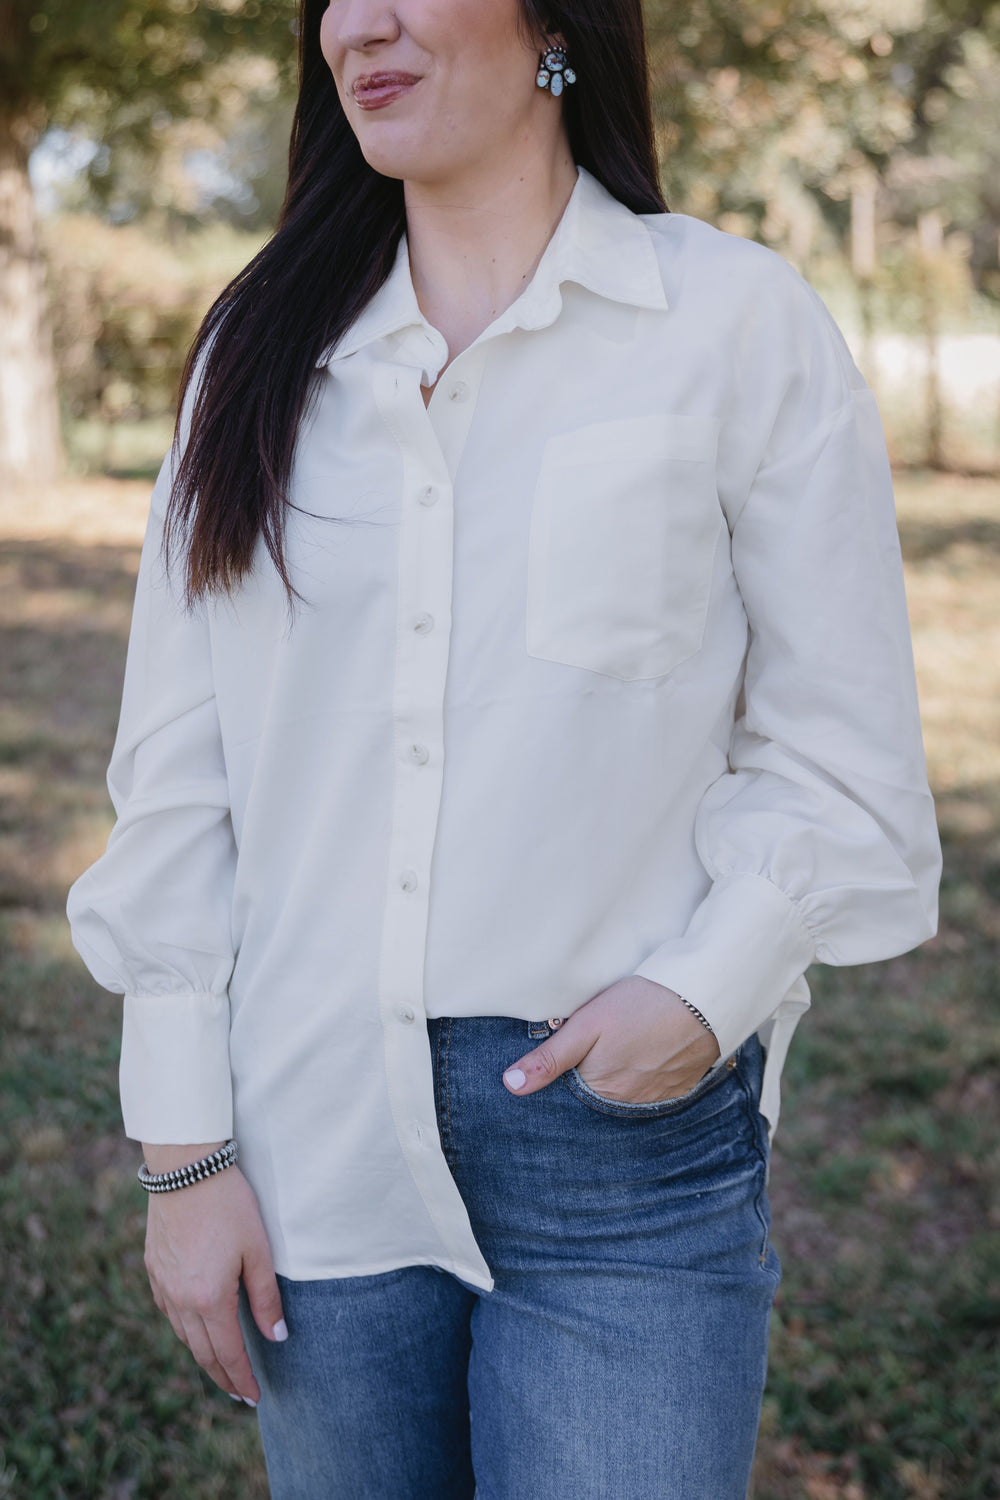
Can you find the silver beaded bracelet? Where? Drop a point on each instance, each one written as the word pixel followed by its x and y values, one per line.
pixel 696 1012
pixel 196 1171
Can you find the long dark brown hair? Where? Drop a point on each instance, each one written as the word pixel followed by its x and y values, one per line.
pixel 334 246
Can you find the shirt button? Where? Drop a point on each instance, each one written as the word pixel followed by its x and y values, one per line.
pixel 408 879
pixel 419 754
pixel 428 495
pixel 458 391
pixel 423 624
pixel 405 1013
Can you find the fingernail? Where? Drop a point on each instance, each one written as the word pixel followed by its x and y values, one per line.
pixel 233 1397
pixel 248 1401
pixel 281 1330
pixel 514 1078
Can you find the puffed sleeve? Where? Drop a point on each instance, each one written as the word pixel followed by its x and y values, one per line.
pixel 820 839
pixel 151 918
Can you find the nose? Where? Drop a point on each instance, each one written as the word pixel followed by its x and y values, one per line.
pixel 362 22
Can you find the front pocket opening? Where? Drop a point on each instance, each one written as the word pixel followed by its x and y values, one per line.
pixel 605 1105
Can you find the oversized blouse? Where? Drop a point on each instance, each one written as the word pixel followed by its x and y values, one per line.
pixel 602 668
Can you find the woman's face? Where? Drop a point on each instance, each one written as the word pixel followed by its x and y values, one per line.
pixel 458 84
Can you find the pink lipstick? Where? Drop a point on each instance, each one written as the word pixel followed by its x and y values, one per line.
pixel 375 90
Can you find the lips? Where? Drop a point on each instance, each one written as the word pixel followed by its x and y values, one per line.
pixel 373 86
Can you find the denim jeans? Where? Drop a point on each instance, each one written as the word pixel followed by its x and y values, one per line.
pixel 621 1354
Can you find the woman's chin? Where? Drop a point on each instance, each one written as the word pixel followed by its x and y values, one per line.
pixel 388 161
pixel 408 161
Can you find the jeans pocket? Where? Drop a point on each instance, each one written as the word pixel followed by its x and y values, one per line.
pixel 658 1108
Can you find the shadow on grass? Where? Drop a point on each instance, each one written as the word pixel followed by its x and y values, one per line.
pixel 63 634
pixel 921 539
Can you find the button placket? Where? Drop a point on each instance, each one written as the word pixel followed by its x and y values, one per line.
pixel 423 628
pixel 451 418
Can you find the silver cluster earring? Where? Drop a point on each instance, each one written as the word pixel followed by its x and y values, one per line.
pixel 554 71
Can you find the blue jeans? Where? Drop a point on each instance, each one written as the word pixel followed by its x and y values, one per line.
pixel 621 1354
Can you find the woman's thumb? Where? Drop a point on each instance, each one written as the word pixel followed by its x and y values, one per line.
pixel 562 1050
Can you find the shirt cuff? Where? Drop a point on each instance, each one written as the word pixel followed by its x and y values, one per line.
pixel 174 1078
pixel 744 948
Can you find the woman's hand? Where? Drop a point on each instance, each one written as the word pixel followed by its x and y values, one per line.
pixel 199 1241
pixel 638 1040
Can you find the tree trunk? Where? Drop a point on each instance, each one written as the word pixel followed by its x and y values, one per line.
pixel 930 237
pixel 31 448
pixel 864 262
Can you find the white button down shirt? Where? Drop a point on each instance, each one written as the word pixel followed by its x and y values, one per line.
pixel 603 669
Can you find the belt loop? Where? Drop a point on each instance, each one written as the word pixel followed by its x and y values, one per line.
pixel 542 1029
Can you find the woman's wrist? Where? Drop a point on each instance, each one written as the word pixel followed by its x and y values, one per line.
pixel 169 1158
pixel 210 1164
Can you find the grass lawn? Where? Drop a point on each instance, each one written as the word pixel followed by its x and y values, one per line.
pixel 885 1376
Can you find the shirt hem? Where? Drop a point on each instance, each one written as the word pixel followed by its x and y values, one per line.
pixel 335 1273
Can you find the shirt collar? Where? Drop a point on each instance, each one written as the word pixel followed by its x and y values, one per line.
pixel 598 244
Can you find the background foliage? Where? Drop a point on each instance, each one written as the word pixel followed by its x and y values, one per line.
pixel 860 140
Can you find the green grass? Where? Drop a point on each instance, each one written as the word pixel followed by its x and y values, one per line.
pixel 885 1185
pixel 123 450
pixel 886 1335
pixel 97 1397
pixel 885 1372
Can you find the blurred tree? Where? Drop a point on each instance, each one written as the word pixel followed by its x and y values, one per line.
pixel 122 72
pixel 777 113
pixel 805 123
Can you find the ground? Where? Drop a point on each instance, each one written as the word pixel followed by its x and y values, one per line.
pixel 885 1367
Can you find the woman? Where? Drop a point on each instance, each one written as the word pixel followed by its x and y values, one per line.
pixel 519 699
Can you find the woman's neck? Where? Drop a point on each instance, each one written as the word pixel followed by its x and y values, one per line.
pixel 474 246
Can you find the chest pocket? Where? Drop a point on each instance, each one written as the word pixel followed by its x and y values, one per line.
pixel 624 527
